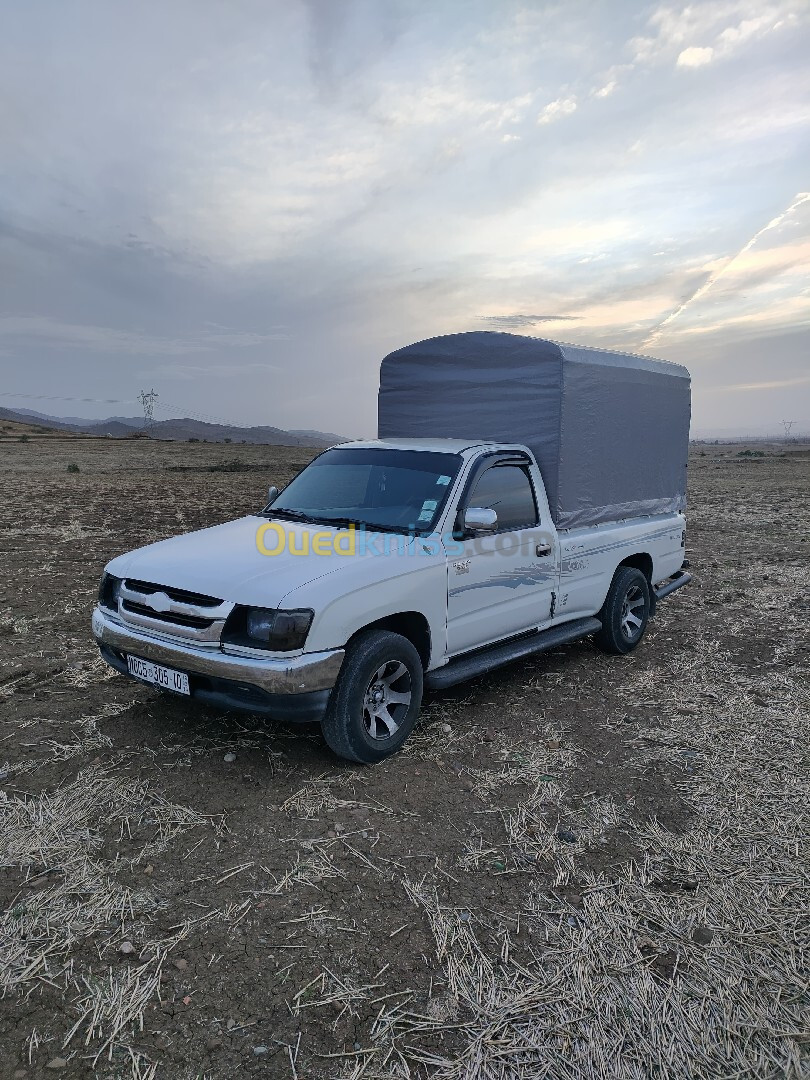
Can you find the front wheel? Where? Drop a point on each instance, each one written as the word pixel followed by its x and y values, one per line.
pixel 376 700
pixel 625 612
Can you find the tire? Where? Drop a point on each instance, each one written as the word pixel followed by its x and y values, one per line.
pixel 376 699
pixel 625 613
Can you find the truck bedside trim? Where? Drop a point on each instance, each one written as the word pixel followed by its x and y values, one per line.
pixel 294 675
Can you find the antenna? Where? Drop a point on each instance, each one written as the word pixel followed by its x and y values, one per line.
pixel 147 398
pixel 788 424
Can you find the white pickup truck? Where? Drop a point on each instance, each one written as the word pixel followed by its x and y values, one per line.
pixel 382 569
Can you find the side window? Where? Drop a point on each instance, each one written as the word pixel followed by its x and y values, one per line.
pixel 507 490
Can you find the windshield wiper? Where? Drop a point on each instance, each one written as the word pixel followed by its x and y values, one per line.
pixel 344 522
pixel 289 515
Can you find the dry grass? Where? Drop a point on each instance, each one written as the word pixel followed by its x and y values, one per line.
pixel 317 799
pixel 690 963
pixel 56 837
pixel 426 919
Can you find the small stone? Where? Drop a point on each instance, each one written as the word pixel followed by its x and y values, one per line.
pixel 230 1023
pixel 180 964
pixel 489 735
pixel 446 729
pixel 358 1046
pixel 230 756
pixel 702 935
pixel 126 948
pixel 149 869
pixel 56 1063
pixel 213 1044
pixel 567 836
pixel 553 744
pixel 259 1050
pixel 331 834
pixel 468 785
pixel 20 1074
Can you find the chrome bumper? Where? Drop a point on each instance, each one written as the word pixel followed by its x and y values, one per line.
pixel 298 675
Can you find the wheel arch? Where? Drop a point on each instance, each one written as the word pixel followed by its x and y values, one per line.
pixel 412 625
pixel 642 561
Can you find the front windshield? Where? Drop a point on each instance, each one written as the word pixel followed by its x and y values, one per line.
pixel 377 488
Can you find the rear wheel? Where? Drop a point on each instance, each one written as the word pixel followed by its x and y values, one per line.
pixel 376 700
pixel 625 612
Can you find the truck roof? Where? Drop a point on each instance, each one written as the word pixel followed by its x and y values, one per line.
pixel 440 446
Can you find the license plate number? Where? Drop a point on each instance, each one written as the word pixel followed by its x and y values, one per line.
pixel 164 677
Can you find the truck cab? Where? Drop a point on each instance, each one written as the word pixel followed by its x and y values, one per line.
pixel 383 568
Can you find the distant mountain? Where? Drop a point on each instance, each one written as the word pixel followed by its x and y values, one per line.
pixel 178 429
pixel 32 420
pixel 32 414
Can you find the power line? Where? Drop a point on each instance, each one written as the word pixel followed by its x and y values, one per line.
pixel 205 417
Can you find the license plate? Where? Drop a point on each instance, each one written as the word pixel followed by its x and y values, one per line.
pixel 164 677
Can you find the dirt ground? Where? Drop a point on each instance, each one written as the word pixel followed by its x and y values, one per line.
pixel 582 866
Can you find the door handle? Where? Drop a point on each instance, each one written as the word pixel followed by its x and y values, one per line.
pixel 542 549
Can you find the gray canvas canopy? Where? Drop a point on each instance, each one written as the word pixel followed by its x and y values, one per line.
pixel 609 430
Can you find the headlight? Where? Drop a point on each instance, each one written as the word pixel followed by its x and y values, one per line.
pixel 264 628
pixel 108 590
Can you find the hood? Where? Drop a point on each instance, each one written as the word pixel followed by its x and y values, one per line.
pixel 225 561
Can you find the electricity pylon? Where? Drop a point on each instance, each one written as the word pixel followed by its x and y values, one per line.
pixel 147 398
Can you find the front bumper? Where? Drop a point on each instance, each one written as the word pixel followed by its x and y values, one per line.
pixel 295 688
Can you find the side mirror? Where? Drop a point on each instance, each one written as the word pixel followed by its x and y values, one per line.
pixel 480 521
pixel 271 494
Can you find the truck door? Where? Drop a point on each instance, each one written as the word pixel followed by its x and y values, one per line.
pixel 501 584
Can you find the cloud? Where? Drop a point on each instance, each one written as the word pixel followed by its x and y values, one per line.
pixel 695 56
pixel 212 371
pixel 556 110
pixel 515 322
pixel 724 27
pixel 111 340
pixel 725 265
pixel 381 173
pixel 772 384
pixel 606 90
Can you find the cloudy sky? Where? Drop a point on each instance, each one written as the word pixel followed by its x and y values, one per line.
pixel 247 203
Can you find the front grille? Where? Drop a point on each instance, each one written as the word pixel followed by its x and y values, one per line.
pixel 180 596
pixel 167 616
pixel 177 612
